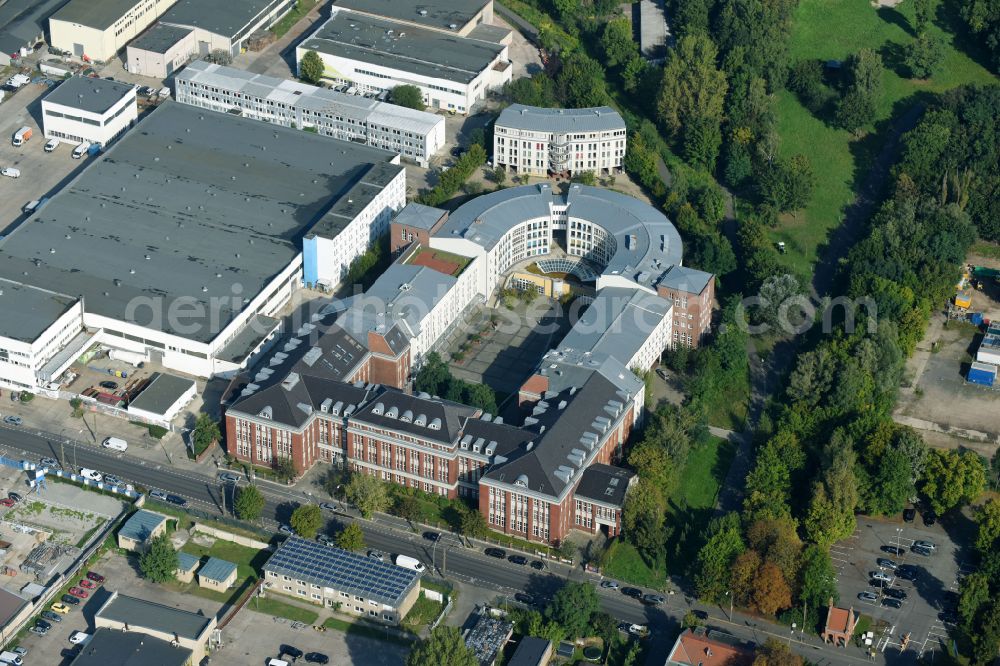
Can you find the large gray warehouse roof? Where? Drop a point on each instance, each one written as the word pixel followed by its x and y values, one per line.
pixel 23 21
pixel 220 17
pixel 27 312
pixel 160 38
pixel 129 648
pixel 190 208
pixel 432 13
pixel 419 51
pixel 538 119
pixel 88 94
pixel 97 14
pixel 139 613
pixel 617 323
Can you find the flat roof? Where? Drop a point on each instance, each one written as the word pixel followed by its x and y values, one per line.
pixel 419 216
pixel 141 524
pixel 161 394
pixel 538 119
pixel 217 569
pixel 29 311
pixel 530 651
pixel 149 615
pixel 419 51
pixel 604 484
pixel 129 648
pixel 312 98
pixel 89 94
pixel 160 38
pixel 10 605
pixel 343 571
pixel 190 209
pixel 97 14
pixel 221 17
pixel 24 21
pixel 487 637
pixel 438 14
pixel 618 322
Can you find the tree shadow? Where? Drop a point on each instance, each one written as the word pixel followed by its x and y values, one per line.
pixel 893 16
pixel 283 512
pixel 894 58
pixel 948 17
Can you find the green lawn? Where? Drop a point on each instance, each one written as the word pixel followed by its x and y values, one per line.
pixel 365 630
pixel 730 410
pixel 249 564
pixel 302 7
pixel 690 510
pixel 831 30
pixel 272 606
pixel 423 612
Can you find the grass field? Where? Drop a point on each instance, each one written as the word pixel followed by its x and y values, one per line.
pixel 837 158
pixel 272 606
pixel 689 512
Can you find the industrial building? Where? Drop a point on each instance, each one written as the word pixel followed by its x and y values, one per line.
pixel 98 29
pixel 84 109
pixel 116 648
pixel 324 575
pixel 375 54
pixel 183 629
pixel 161 51
pixel 459 17
pixel 22 25
pixel 537 141
pixel 225 25
pixel 415 135
pixel 487 638
pixel 184 239
pixel 162 399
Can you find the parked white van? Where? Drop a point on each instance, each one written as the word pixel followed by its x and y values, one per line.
pixel 115 444
pixel 91 474
pixel 81 150
pixel 9 657
pixel 408 562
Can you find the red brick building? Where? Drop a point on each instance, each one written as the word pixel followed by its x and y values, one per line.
pixel 415 222
pixel 693 294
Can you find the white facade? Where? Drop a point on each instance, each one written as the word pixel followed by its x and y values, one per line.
pixel 22 362
pixel 160 63
pixel 74 124
pixel 444 313
pixel 98 41
pixel 415 135
pixel 541 141
pixel 328 257
pixel 228 35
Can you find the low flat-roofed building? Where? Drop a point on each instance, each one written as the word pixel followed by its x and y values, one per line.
pixel 487 638
pixel 22 25
pixel 452 16
pixel 126 648
pixel 189 230
pixel 225 25
pixel 141 527
pixel 326 575
pixel 98 29
pixel 540 141
pixel 162 399
pixel 187 564
pixel 375 54
pixel 415 224
pixel 161 51
pixel 217 574
pixel 191 631
pixel 531 651
pixel 96 111
pixel 415 135
pixel 36 325
pixel 10 606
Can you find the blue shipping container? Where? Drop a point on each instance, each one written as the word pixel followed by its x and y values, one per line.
pixel 95 149
pixel 982 373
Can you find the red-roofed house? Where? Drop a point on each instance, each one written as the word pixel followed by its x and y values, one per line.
pixel 840 623
pixel 701 647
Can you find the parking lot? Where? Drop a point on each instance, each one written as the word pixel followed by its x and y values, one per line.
pixel 930 594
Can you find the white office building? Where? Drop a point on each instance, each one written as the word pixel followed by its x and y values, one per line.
pixel 537 141
pixel 92 110
pixel 415 135
pixel 374 54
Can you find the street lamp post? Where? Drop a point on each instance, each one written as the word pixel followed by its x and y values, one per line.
pixel 790 634
pixel 730 595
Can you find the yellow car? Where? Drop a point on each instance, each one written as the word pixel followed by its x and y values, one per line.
pixel 62 609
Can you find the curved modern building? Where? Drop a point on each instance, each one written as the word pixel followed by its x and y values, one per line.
pixel 539 141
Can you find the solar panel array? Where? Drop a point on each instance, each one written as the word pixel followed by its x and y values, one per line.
pixel 341 570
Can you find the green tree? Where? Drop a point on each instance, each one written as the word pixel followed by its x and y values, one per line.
pixel 617 42
pixel 159 563
pixel 988 517
pixel 642 520
pixel 693 89
pixel 724 544
pixel 407 507
pixel 890 486
pixel 367 493
pixel 974 594
pixel 311 67
pixel 952 478
pixel 249 503
pixel 817 578
pixel 444 647
pixel 473 524
pixel 582 81
pixel 351 537
pixel 206 431
pixel 284 469
pixel 835 495
pixel 572 607
pixel 864 90
pixel 922 15
pixel 787 185
pixel 480 395
pixel 408 96
pixel 306 520
pixel 924 55
pixel 433 376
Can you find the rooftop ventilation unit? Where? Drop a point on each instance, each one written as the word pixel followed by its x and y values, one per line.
pixel 325 405
pixel 312 356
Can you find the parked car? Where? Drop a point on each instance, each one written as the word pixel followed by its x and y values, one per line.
pixel 609 584
pixel 498 553
pixel 115 444
pixel 91 474
pixel 51 463
pixel 431 536
pixel 177 499
pixel 909 514
pixel 20 651
pixel 112 480
pixel 286 529
pixel 653 599
pixel 316 658
pixel 870 597
pixel 145 91
pixel 895 593
pixel 638 629
pixel 229 477
pixel 8 502
pixel 376 554
pixel 518 559
pixel 886 563
pixel 291 651
pixel 925 552
pixel 43 624
pixel 906 572
pixel 537 565
pixel 325 539
pixel 51 145
pixel 893 550
pixel 87 584
pixel 633 592
pixel 61 608
pixel 523 598
pixel 158 495
pixel 13 420
pixel 929 518
pixel 79 637
pixel 10 172
pixel 326 506
pixel 41 631
pixel 892 603
pixel 78 592
pixel 928 545
pixel 49 615
pixel 96 577
pixel 70 599
pixel 14 496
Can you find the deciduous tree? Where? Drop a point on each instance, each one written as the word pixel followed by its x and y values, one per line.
pixel 311 67
pixel 367 493
pixel 572 607
pixel 306 520
pixel 351 537
pixel 159 563
pixel 952 478
pixel 924 55
pixel 408 96
pixel 771 592
pixel 716 557
pixel 444 647
pixel 693 89
pixel 249 503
